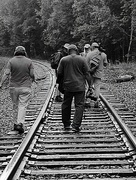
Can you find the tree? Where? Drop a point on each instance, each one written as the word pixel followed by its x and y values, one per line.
pixel 92 20
pixel 129 12
pixel 60 24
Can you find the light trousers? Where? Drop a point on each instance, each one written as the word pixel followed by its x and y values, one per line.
pixel 20 97
pixel 96 85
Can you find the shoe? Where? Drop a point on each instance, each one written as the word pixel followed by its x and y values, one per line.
pixel 94 98
pixel 89 93
pixel 75 129
pixel 19 128
pixel 67 128
pixel 96 104
pixel 87 105
pixel 58 99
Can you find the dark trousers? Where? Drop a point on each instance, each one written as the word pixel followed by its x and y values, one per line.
pixel 79 99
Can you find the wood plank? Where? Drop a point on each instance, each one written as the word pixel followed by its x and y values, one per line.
pixel 79 151
pixel 62 146
pixel 77 163
pixel 79 171
pixel 80 156
pixel 80 140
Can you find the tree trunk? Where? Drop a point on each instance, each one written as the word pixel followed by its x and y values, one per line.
pixel 132 31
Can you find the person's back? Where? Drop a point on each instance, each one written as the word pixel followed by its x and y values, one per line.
pixel 74 74
pixel 20 71
pixel 95 54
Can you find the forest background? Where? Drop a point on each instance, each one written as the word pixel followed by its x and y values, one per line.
pixel 43 26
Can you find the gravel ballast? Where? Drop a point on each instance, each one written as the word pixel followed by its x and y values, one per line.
pixel 125 91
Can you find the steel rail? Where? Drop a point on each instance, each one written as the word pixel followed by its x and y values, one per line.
pixel 122 125
pixel 10 169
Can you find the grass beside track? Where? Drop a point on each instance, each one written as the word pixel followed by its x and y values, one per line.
pixel 3 62
pixel 126 91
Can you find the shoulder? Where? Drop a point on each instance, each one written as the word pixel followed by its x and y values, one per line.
pixel 82 54
pixel 12 59
pixel 28 59
pixel 82 58
pixel 91 53
pixel 64 58
pixel 104 56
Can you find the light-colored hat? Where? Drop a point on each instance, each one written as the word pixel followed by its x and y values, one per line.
pixel 72 46
pixel 66 45
pixel 95 44
pixel 20 49
pixel 87 46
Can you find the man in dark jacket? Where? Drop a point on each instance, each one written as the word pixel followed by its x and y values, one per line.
pixel 75 71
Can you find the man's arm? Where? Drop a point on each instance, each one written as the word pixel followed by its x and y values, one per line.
pixel 87 72
pixel 4 77
pixel 88 77
pixel 32 73
pixel 105 61
pixel 59 72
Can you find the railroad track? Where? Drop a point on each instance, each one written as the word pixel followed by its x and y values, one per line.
pixel 104 149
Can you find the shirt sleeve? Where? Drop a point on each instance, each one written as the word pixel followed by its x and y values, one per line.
pixel 105 61
pixel 8 69
pixel 86 68
pixel 32 75
pixel 60 68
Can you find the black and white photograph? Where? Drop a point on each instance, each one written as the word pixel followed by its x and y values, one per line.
pixel 67 89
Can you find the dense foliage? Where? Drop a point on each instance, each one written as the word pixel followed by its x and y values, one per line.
pixel 42 26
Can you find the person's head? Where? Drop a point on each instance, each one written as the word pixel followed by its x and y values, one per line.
pixel 20 51
pixel 95 45
pixel 66 45
pixel 102 49
pixel 65 48
pixel 87 48
pixel 72 49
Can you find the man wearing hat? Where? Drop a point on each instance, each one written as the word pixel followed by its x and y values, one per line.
pixel 21 72
pixel 87 49
pixel 60 53
pixel 75 71
pixel 96 63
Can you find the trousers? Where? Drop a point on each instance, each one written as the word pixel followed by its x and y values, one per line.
pixel 79 99
pixel 20 97
pixel 97 85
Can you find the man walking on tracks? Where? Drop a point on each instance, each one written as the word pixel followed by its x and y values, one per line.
pixel 54 64
pixel 21 72
pixel 96 60
pixel 75 71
